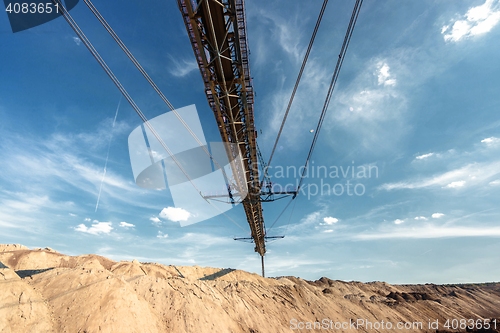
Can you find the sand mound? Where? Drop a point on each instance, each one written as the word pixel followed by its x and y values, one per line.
pixel 22 309
pixel 46 291
pixel 12 247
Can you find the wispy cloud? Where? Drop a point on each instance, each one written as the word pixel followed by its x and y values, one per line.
pixel 282 37
pixel 155 219
pixel 437 215
pixel 20 210
pixel 40 175
pixel 431 231
pixel 366 100
pixel 283 263
pixel 161 235
pixel 181 67
pixel 368 104
pixel 92 141
pixel 285 31
pixel 474 174
pixel 308 222
pixel 495 182
pixel 306 104
pixel 477 21
pixel 30 203
pixel 59 164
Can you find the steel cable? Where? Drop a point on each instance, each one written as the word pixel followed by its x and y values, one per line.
pixel 124 92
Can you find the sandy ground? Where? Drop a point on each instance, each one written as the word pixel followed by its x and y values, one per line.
pixel 45 291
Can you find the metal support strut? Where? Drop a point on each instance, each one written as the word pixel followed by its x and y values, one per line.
pixel 217 31
pixel 262 261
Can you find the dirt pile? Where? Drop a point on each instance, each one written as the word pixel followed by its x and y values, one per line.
pixel 45 291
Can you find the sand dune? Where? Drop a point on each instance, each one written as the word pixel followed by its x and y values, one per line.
pixel 46 291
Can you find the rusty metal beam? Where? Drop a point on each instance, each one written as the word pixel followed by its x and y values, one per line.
pixel 217 32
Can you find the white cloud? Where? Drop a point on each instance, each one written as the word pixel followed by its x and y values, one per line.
pixel 71 214
pixel 161 235
pixel 77 41
pixel 420 218
pixel 384 77
pixel 491 140
pixel 437 215
pixel 424 156
pixel 330 220
pixel 456 184
pixel 478 20
pixel 328 231
pixel 87 219
pixel 175 214
pixel 155 219
pixel 126 225
pixel 398 221
pixel 96 228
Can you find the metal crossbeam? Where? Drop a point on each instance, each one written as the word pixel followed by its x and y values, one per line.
pixel 217 32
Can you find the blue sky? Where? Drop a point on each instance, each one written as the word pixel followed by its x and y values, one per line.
pixel 416 104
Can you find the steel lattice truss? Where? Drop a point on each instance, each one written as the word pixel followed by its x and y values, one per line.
pixel 217 32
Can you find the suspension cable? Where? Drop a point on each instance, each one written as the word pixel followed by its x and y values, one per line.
pixel 124 92
pixel 306 56
pixel 124 48
pixel 340 60
pixel 115 80
pixel 336 72
pixel 279 216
